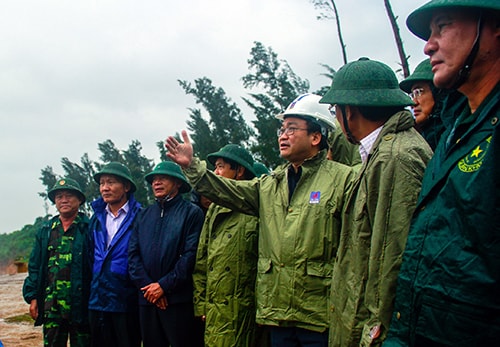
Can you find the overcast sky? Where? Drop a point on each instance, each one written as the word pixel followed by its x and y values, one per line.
pixel 75 73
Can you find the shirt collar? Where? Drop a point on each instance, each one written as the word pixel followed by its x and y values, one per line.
pixel 367 142
pixel 124 209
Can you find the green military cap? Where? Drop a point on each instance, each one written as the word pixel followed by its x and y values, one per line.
pixel 235 153
pixel 423 72
pixel 419 20
pixel 169 168
pixel 66 183
pixel 116 169
pixel 366 82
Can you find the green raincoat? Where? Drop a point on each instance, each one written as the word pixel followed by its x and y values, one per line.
pixel 297 239
pixel 375 226
pixel 224 277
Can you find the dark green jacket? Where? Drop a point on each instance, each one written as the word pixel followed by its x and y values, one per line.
pixel 36 282
pixel 449 284
pixel 224 277
pixel 374 230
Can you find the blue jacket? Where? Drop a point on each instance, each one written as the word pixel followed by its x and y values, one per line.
pixel 163 248
pixel 111 288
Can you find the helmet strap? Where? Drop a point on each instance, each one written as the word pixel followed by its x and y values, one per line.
pixel 465 70
pixel 349 135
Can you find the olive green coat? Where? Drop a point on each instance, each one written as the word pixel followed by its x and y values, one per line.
pixel 375 226
pixel 224 277
pixel 297 239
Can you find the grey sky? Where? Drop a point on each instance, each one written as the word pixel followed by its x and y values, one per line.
pixel 75 73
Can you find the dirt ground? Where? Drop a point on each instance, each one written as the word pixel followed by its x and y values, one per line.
pixel 21 334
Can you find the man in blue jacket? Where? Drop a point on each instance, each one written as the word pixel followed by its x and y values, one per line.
pixel 114 316
pixel 162 254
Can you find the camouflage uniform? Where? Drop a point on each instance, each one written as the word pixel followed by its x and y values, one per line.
pixel 59 279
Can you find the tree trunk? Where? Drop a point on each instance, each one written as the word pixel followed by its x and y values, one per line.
pixel 339 31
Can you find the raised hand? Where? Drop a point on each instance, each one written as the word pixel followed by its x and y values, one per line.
pixel 181 153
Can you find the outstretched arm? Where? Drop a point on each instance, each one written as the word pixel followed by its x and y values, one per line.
pixel 181 153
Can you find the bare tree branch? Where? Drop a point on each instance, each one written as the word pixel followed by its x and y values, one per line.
pixel 327 8
pixel 397 37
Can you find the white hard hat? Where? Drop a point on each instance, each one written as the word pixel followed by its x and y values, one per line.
pixel 307 105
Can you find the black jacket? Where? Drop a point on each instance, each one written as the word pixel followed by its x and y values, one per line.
pixel 163 248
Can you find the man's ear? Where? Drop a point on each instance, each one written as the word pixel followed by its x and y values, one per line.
pixel 316 138
pixel 350 112
pixel 240 172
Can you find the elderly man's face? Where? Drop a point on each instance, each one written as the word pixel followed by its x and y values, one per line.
pixel 424 101
pixel 164 186
pixel 113 190
pixel 67 202
pixel 452 37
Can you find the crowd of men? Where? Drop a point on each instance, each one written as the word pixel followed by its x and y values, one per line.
pixel 381 228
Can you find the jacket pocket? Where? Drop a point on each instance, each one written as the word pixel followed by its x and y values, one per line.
pixel 319 269
pixel 458 323
pixel 264 265
pixel 265 287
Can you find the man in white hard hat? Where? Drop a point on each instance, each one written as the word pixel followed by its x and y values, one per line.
pixel 299 206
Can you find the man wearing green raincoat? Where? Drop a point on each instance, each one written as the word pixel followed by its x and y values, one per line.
pixel 370 108
pixel 226 261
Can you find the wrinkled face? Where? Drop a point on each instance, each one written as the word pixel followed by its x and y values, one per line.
pixel 67 202
pixel 452 37
pixel 295 144
pixel 424 101
pixel 223 169
pixel 164 185
pixel 113 190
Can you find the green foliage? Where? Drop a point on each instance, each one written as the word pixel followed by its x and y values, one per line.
pixel 225 124
pixel 84 171
pixel 17 245
pixel 281 86
pixel 278 85
pixel 330 74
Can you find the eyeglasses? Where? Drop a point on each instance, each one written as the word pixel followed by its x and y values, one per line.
pixel 288 131
pixel 416 93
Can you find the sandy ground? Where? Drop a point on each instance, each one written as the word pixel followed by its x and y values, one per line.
pixel 22 334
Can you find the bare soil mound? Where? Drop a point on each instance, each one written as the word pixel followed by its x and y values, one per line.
pixel 16 327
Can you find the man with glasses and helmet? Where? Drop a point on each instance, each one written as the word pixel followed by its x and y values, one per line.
pixel 299 207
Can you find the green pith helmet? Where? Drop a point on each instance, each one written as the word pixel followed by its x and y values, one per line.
pixel 235 153
pixel 116 169
pixel 66 183
pixel 169 168
pixel 260 169
pixel 419 20
pixel 366 82
pixel 423 72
